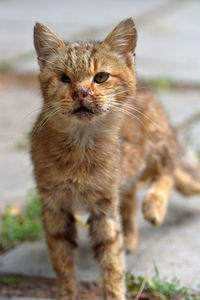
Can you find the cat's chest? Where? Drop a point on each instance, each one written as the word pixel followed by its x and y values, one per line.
pixel 76 166
pixel 82 176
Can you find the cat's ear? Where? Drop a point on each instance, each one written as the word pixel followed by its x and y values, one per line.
pixel 46 42
pixel 123 38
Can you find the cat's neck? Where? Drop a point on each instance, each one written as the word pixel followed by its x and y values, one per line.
pixel 87 134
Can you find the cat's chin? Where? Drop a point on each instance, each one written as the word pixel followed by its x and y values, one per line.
pixel 84 116
pixel 88 115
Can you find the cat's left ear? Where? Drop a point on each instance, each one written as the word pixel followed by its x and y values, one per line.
pixel 122 40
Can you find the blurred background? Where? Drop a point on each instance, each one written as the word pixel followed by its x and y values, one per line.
pixel 167 60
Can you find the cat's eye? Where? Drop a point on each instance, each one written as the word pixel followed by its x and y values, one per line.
pixel 65 78
pixel 101 77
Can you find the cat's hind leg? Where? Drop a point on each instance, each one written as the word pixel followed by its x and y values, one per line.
pixel 128 210
pixel 156 201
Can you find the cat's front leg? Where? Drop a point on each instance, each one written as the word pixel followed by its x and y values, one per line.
pixel 107 242
pixel 60 231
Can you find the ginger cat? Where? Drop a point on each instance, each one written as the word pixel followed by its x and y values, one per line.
pixel 94 139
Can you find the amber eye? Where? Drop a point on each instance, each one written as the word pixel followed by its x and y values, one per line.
pixel 65 78
pixel 101 77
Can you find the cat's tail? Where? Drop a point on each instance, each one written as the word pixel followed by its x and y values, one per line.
pixel 187 172
pixel 185 183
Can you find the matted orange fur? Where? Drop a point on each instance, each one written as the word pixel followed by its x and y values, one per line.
pixel 94 139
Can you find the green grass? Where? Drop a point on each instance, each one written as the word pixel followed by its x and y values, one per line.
pixel 28 56
pixel 10 281
pixel 162 83
pixel 5 65
pixel 157 288
pixel 198 154
pixel 16 228
pixel 23 143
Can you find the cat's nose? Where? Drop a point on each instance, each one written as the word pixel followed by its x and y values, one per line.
pixel 81 93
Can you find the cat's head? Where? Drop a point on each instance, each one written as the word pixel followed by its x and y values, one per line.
pixel 83 81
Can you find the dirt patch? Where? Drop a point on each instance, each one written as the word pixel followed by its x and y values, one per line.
pixel 12 285
pixel 26 80
pixel 25 286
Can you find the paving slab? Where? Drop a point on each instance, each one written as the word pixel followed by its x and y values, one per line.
pixel 19 107
pixel 17 18
pixel 181 105
pixel 168 43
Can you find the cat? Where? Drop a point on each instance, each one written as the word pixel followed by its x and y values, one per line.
pixel 94 140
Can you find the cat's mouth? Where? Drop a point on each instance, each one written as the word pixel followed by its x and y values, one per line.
pixel 83 112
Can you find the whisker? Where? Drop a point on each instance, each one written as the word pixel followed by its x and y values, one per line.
pixel 132 107
pixel 134 117
pixel 43 121
pixel 128 113
pixel 141 113
pixel 38 109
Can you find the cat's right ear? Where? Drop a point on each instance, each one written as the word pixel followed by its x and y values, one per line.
pixel 46 42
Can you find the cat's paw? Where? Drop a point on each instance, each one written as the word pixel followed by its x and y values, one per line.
pixel 112 297
pixel 154 208
pixel 131 242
